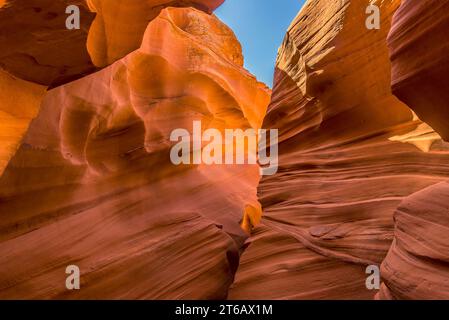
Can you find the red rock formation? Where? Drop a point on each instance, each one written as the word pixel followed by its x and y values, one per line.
pixel 119 25
pixel 37 46
pixel 349 153
pixel 417 264
pixel 20 101
pixel 92 183
pixel 420 63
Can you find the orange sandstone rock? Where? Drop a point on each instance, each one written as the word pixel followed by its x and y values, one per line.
pixel 119 25
pixel 37 46
pixel 416 266
pixel 349 152
pixel 19 104
pixel 93 185
pixel 420 63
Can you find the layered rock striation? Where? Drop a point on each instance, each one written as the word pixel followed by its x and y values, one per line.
pixel 38 51
pixel 92 183
pixel 420 64
pixel 416 266
pixel 350 152
pixel 119 25
pixel 86 177
pixel 38 47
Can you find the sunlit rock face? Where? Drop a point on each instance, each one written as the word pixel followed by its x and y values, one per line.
pixel 420 63
pixel 37 51
pixel 37 47
pixel 119 25
pixel 350 152
pixel 92 183
pixel 19 103
pixel 416 266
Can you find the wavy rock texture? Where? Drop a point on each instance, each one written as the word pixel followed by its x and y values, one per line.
pixel 417 264
pixel 349 153
pixel 36 51
pixel 420 64
pixel 119 25
pixel 92 183
pixel 37 46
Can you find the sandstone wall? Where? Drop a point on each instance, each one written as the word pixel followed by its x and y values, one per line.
pixel 92 183
pixel 416 266
pixel 350 152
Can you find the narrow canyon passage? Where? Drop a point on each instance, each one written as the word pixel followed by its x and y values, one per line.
pixel 85 140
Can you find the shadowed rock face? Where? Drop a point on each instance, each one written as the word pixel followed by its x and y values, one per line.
pixel 36 51
pixel 37 46
pixel 420 63
pixel 350 151
pixel 416 266
pixel 93 185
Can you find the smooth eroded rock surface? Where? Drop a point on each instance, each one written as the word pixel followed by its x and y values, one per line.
pixel 86 177
pixel 20 102
pixel 420 63
pixel 37 46
pixel 416 266
pixel 350 152
pixel 93 185
pixel 119 25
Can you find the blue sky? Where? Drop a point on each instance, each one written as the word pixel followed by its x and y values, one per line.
pixel 260 26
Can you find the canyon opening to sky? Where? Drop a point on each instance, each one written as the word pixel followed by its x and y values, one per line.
pixel 96 97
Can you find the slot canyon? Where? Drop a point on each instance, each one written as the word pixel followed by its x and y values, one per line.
pixel 86 177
